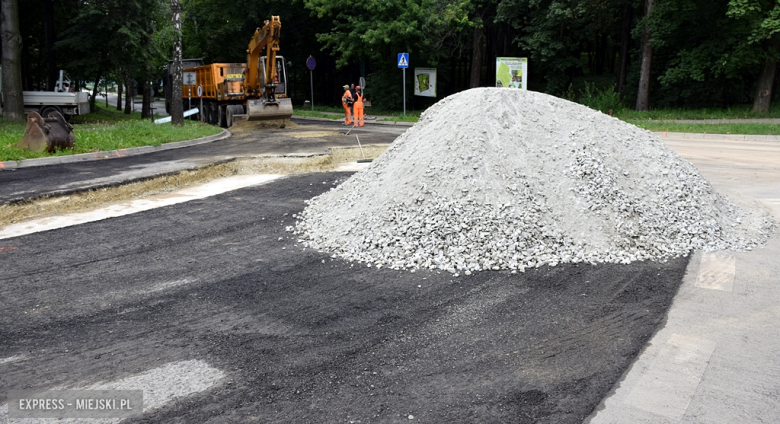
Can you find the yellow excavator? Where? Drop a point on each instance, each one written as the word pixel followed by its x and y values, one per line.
pixel 262 75
pixel 256 89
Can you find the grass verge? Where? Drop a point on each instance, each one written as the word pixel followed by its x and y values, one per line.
pixel 94 199
pixel 95 134
pixel 734 112
pixel 736 128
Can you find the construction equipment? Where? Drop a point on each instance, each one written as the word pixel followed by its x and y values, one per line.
pixel 47 134
pixel 255 90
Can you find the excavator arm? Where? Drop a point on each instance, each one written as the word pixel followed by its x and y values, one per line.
pixel 267 106
pixel 267 38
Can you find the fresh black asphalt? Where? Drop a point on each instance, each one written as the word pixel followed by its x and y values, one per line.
pixel 305 338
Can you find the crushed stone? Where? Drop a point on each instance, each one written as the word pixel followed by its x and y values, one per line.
pixel 498 179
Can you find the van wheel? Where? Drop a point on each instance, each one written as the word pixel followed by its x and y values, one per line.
pixel 48 111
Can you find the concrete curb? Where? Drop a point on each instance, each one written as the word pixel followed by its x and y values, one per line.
pixel 402 124
pixel 111 154
pixel 746 137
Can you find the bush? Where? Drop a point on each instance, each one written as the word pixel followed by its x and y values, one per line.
pixel 600 99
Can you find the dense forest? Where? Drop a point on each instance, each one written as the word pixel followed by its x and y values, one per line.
pixel 654 53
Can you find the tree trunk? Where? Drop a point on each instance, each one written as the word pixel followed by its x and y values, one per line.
pixel 95 91
pixel 13 100
pixel 601 53
pixel 146 107
pixel 764 87
pixel 643 97
pixel 128 92
pixel 119 87
pixel 51 38
pixel 476 55
pixel 177 110
pixel 625 46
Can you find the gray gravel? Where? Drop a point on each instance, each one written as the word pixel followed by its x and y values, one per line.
pixel 505 179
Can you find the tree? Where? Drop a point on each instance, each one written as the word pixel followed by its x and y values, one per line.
pixel 51 38
pixel 13 100
pixel 556 33
pixel 177 107
pixel 763 17
pixel 625 46
pixel 643 97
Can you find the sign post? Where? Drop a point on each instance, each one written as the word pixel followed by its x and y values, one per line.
pixel 403 63
pixel 311 63
pixel 189 80
pixel 200 96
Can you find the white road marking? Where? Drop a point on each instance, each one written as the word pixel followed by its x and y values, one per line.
pixel 160 386
pixel 212 188
pixel 717 271
pixel 667 387
pixel 12 359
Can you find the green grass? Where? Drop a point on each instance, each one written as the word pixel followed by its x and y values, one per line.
pixel 411 116
pixel 104 131
pixel 752 129
pixel 315 114
pixel 102 114
pixel 735 112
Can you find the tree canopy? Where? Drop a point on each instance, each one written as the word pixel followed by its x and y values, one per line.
pixel 705 53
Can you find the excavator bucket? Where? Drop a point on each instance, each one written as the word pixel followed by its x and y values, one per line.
pixel 47 134
pixel 261 110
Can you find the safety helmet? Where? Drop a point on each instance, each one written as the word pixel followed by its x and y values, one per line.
pixel 357 88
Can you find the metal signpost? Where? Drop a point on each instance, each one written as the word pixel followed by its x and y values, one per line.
pixel 189 81
pixel 403 63
pixel 200 96
pixel 311 64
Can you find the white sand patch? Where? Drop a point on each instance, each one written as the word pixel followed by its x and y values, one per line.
pixel 211 188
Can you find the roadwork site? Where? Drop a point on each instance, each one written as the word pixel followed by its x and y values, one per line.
pixel 544 264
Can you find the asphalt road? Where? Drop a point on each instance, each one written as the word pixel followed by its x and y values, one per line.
pixel 214 303
pixel 307 137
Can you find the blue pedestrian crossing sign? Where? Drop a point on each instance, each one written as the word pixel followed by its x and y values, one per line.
pixel 403 60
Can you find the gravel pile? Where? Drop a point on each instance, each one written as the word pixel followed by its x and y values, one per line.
pixel 508 179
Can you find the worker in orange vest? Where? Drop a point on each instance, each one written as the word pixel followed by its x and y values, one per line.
pixel 347 101
pixel 359 117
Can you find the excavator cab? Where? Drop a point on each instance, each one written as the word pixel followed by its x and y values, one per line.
pixel 277 105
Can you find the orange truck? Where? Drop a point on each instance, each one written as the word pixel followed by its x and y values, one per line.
pixel 257 90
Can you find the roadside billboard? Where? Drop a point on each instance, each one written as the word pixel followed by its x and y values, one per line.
pixel 512 72
pixel 425 82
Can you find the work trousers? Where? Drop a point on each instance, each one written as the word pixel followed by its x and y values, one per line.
pixel 347 113
pixel 359 117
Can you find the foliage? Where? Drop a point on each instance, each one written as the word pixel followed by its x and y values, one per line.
pixel 377 29
pixel 555 33
pixel 602 99
pixel 735 128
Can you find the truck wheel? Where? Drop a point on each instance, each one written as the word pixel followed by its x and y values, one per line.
pixel 223 116
pixel 48 111
pixel 214 114
pixel 230 111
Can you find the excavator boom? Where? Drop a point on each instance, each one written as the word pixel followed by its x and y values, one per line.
pixel 260 84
